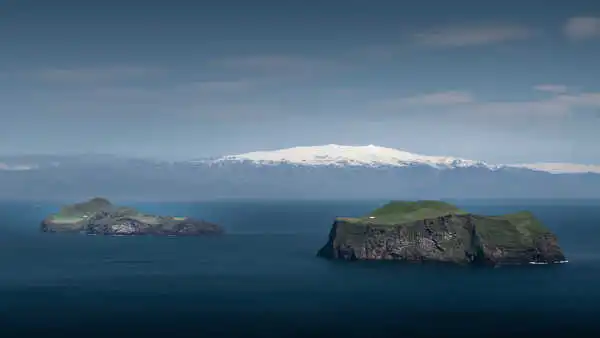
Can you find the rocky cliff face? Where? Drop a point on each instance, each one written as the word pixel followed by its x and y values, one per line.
pixel 105 219
pixel 461 239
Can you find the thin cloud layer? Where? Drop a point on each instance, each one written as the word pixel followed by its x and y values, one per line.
pixel 551 88
pixel 461 36
pixel 582 28
pixel 559 105
pixel 94 75
pixel 221 86
pixel 441 99
pixel 276 65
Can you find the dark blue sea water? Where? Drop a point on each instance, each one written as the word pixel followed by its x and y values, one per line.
pixel 263 279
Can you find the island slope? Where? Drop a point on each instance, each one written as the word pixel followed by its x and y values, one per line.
pixel 438 231
pixel 99 216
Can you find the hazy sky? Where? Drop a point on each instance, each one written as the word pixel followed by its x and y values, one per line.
pixel 502 81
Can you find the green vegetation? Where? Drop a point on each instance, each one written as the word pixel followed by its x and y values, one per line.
pixel 74 214
pixel 501 232
pixel 510 229
pixel 399 212
pixel 85 208
pixel 525 222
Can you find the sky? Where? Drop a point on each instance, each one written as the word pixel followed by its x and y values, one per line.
pixel 501 81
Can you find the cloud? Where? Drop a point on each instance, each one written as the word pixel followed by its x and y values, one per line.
pixel 449 98
pixel 195 100
pixel 590 100
pixel 171 95
pixel 229 111
pixel 342 92
pixel 463 103
pixel 551 88
pixel 221 86
pixel 277 65
pixel 375 53
pixel 94 75
pixel 582 28
pixel 120 93
pixel 461 36
pixel 518 109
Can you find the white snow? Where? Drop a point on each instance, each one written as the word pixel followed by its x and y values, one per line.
pixel 339 155
pixel 560 168
pixel 375 156
pixel 17 167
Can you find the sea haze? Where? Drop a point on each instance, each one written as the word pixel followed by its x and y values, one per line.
pixel 263 279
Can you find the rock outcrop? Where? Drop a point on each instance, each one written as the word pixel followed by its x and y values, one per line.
pixel 100 217
pixel 437 231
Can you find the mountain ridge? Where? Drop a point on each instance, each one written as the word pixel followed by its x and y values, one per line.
pixel 326 155
pixel 377 156
pixel 375 175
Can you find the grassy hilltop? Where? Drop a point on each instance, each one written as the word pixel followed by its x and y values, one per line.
pixel 403 212
pixel 398 212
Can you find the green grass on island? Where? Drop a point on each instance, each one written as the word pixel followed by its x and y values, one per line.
pixel 513 227
pixel 74 213
pixel 524 221
pixel 84 208
pixel 398 212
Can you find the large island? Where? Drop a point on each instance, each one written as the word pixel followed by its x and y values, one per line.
pixel 440 232
pixel 98 216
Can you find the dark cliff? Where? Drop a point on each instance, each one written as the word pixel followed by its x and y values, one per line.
pixel 435 231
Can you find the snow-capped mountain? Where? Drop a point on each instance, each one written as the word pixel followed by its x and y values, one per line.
pixel 375 156
pixel 321 172
pixel 340 155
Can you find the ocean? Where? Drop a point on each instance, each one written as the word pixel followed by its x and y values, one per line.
pixel 263 279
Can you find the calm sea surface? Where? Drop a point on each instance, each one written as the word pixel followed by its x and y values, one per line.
pixel 263 279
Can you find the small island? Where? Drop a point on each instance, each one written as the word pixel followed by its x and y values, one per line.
pixel 440 232
pixel 99 216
